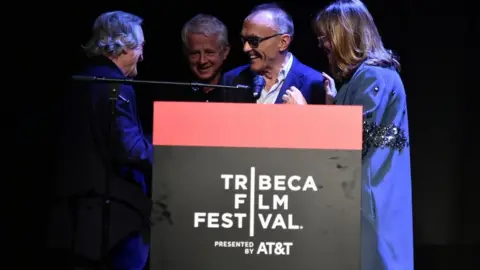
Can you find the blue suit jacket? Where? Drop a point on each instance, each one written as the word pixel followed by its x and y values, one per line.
pixel 306 79
pixel 387 229
pixel 88 153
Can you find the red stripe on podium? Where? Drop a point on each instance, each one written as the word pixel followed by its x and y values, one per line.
pixel 257 126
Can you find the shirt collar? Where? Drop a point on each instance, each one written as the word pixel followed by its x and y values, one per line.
pixel 287 64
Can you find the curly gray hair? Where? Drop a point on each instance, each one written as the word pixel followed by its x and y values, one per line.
pixel 113 32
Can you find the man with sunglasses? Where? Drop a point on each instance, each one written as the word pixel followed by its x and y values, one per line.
pixel 266 37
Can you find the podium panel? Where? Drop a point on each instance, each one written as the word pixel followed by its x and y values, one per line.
pixel 247 186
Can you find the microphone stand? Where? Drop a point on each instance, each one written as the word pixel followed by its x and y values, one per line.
pixel 131 81
pixel 114 96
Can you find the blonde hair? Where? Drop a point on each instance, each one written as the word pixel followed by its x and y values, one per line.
pixel 354 37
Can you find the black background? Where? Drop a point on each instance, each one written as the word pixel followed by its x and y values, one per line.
pixel 438 65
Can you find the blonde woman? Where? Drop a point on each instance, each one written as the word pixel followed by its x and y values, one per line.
pixel 369 73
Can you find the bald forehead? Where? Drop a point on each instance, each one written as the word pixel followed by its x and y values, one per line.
pixel 264 18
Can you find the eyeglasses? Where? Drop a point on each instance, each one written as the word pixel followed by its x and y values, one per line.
pixel 255 41
pixel 320 41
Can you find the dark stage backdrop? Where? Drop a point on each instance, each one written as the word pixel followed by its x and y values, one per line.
pixel 431 41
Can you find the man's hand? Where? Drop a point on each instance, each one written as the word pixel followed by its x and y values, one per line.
pixel 294 96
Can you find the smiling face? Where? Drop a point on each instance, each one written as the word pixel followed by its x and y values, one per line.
pixel 205 56
pixel 262 42
pixel 348 36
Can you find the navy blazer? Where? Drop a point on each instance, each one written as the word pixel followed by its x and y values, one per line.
pixel 88 153
pixel 306 79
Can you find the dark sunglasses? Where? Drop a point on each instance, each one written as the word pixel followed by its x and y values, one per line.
pixel 255 41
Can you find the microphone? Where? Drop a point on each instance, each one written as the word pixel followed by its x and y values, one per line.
pixel 258 85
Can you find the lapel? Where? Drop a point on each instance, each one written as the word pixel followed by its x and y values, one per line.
pixel 294 78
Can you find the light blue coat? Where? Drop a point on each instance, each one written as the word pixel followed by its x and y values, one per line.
pixel 387 229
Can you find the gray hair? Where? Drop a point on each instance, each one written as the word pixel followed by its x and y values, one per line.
pixel 113 32
pixel 207 25
pixel 283 21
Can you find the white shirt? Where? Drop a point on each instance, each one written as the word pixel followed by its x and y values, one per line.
pixel 269 97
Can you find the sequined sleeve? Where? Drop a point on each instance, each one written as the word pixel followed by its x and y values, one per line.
pixel 382 136
pixel 384 103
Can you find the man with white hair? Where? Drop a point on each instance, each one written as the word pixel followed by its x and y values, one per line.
pixel 104 141
pixel 206 47
pixel 266 36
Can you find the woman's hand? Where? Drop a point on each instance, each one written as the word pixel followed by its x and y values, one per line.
pixel 330 90
pixel 294 96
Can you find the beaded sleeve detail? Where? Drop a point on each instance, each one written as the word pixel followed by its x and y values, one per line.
pixel 382 136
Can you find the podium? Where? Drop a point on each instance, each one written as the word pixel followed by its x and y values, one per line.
pixel 256 187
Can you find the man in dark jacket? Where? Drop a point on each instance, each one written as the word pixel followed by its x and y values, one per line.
pixel 102 224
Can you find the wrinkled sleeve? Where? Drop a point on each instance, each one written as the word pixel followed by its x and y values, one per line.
pixel 369 91
pixel 131 146
pixel 382 96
